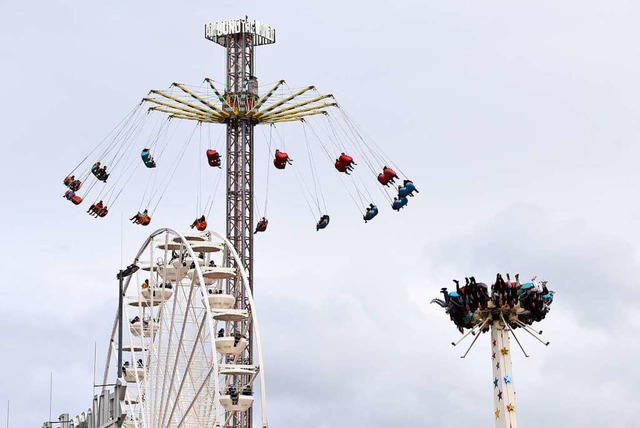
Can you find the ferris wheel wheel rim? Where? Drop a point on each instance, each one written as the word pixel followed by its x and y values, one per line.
pixel 202 284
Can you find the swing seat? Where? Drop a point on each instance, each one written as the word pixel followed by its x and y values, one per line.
pixel 99 174
pixel 282 157
pixel 387 176
pixel 389 173
pixel 262 226
pixel 213 158
pixel 382 179
pixel 370 214
pixel 144 220
pixel 201 225
pixel 102 212
pixel 147 159
pixel 77 200
pixel 399 203
pixel 346 160
pixel 340 166
pixel 407 190
pixel 72 184
pixel 526 286
pixel 322 223
pixel 278 164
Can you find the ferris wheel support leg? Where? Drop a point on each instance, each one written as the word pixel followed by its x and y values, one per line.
pixel 120 321
pixel 504 396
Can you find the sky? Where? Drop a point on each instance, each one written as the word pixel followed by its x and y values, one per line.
pixel 517 121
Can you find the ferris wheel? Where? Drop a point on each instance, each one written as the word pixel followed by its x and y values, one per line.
pixel 188 314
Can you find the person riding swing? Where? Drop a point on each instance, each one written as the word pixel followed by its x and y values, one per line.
pixel 262 225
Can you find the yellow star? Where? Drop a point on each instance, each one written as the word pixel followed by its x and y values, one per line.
pixel 497 413
pixel 504 350
pixel 511 407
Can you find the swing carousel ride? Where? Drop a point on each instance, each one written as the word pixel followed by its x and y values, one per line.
pixel 192 324
pixel 505 307
pixel 142 148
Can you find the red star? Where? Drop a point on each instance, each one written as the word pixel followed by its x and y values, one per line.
pixel 493 356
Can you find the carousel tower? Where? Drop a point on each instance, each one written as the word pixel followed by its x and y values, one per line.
pixel 240 37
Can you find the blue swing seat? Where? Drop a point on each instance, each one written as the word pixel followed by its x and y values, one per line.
pixel 407 190
pixel 370 214
pixel 399 203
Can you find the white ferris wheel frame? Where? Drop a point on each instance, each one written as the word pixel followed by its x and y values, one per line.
pixel 197 282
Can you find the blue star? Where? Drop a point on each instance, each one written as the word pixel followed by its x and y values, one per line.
pixel 495 382
pixel 507 379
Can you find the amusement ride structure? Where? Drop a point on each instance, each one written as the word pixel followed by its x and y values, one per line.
pixel 503 308
pixel 190 358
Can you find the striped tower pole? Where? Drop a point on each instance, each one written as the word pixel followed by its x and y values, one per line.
pixel 504 394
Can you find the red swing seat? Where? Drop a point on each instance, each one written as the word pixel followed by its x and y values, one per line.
pixel 213 158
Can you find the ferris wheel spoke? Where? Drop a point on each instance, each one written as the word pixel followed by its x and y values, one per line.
pixel 156 369
pixel 160 409
pixel 195 398
pixel 180 342
pixel 187 369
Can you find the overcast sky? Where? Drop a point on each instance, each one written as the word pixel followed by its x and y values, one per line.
pixel 518 123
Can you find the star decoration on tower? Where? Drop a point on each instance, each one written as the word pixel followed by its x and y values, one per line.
pixel 493 356
pixel 504 350
pixel 511 407
pixel 498 365
pixel 497 413
pixel 499 395
pixel 495 382
pixel 507 379
pixel 494 342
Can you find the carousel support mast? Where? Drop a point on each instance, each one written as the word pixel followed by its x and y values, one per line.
pixel 240 37
pixel 504 395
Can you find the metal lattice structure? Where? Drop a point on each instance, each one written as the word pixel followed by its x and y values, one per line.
pixel 240 107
